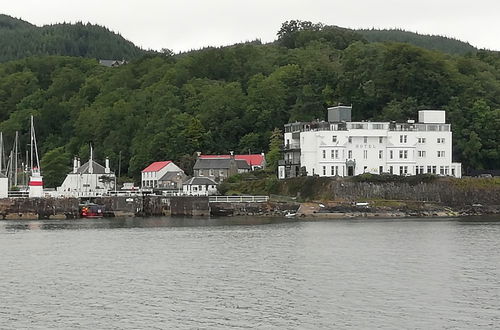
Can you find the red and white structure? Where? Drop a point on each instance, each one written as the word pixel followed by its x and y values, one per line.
pixel 36 180
pixel 155 171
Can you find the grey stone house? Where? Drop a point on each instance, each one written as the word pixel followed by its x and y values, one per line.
pixel 219 169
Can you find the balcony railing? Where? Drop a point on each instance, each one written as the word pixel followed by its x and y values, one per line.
pixel 291 146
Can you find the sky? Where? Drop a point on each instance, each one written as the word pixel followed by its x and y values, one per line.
pixel 191 24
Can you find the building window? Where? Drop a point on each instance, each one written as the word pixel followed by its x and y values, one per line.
pixel 349 154
pixel 365 139
pixel 364 169
pixel 380 139
pixel 336 170
pixel 391 170
pixel 440 140
pixel 391 154
pixel 403 170
pixel 365 154
pixel 380 169
pixel 403 154
pixel 421 153
pixel 429 169
pixel 324 170
pixel 440 154
pixel 332 170
pixel 421 140
pixel 324 154
pixel 434 169
pixel 403 138
pixel 334 138
pixel 380 154
pixel 349 139
pixel 441 170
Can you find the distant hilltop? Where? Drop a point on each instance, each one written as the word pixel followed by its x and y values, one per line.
pixel 19 39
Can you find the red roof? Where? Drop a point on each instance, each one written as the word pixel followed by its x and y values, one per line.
pixel 156 166
pixel 252 160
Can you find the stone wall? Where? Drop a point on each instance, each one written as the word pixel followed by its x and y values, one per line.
pixel 452 192
pixel 441 191
pixel 38 207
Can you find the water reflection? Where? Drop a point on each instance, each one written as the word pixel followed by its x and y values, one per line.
pixel 136 222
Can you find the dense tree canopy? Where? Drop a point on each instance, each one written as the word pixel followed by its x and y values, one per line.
pixel 215 100
pixel 20 39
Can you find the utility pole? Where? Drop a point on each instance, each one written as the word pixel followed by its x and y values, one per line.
pixel 16 142
pixel 120 164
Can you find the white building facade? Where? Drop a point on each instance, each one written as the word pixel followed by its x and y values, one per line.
pixel 89 179
pixel 345 148
pixel 199 186
pixel 155 171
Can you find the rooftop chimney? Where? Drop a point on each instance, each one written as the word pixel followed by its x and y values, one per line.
pixel 106 169
pixel 75 165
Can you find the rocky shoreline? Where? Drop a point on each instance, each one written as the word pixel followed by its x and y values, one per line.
pixel 346 210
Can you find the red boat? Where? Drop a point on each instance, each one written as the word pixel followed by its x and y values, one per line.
pixel 91 210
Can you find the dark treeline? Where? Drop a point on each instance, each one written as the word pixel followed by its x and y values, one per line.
pixel 219 99
pixel 20 39
pixel 439 43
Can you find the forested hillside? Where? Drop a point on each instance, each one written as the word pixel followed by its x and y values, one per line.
pixel 431 42
pixel 219 99
pixel 19 39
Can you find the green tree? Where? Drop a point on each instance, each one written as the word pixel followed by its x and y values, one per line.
pixel 55 167
pixel 274 154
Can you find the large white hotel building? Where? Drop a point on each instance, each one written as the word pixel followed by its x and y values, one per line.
pixel 344 148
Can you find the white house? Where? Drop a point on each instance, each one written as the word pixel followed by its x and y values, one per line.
pixel 199 186
pixel 344 148
pixel 4 186
pixel 155 171
pixel 89 179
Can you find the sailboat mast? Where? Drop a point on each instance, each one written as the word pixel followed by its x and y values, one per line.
pixel 31 143
pixel 34 161
pixel 16 142
pixel 2 155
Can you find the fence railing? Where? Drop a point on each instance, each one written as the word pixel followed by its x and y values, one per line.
pixel 238 199
pixel 18 194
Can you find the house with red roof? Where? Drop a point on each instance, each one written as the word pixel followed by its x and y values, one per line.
pixel 255 161
pixel 152 174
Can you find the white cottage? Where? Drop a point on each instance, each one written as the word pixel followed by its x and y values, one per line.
pixel 89 179
pixel 199 186
pixel 153 174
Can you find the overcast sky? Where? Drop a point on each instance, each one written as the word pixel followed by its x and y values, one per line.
pixel 190 24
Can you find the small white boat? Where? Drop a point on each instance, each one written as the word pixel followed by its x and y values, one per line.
pixel 290 215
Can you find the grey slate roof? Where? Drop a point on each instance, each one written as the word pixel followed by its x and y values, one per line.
pixel 97 168
pixel 200 181
pixel 172 175
pixel 242 164
pixel 219 163
pixel 112 63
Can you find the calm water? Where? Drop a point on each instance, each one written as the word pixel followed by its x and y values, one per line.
pixel 166 273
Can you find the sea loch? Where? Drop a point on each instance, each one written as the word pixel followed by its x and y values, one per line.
pixel 160 273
